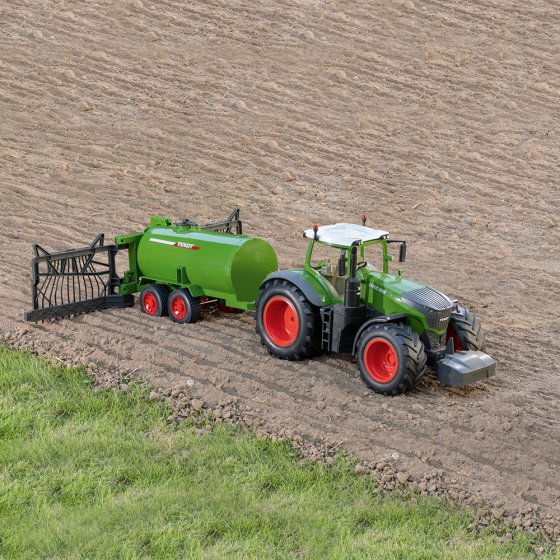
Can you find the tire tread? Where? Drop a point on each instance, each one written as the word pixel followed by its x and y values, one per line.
pixel 468 328
pixel 162 292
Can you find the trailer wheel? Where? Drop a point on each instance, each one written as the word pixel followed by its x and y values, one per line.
pixel 391 358
pixel 183 308
pixel 287 323
pixel 153 300
pixel 465 330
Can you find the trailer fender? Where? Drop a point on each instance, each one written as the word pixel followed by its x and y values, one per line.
pixel 195 290
pixel 303 284
pixel 395 318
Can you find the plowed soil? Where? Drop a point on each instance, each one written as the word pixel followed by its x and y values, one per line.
pixel 440 119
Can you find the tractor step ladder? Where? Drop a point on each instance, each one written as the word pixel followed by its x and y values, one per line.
pixel 326 328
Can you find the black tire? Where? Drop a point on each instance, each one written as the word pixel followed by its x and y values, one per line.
pixel 466 330
pixel 159 293
pixel 183 308
pixel 303 341
pixel 407 365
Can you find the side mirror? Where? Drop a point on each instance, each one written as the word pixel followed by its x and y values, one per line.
pixel 402 252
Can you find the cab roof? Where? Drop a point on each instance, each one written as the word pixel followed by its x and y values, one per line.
pixel 344 235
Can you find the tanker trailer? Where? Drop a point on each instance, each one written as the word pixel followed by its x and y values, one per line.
pixel 178 268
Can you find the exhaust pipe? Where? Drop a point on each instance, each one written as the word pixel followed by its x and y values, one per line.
pixel 352 285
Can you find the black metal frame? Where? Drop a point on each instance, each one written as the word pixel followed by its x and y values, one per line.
pixel 76 281
pixel 231 225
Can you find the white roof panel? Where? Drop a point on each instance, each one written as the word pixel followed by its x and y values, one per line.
pixel 345 234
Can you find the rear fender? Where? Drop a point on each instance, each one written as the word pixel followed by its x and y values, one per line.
pixel 395 318
pixel 317 294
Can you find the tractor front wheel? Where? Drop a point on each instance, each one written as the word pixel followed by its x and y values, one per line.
pixel 153 300
pixel 391 358
pixel 287 323
pixel 183 308
pixel 465 330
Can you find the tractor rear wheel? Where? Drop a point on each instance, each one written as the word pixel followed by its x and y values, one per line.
pixel 183 308
pixel 465 330
pixel 153 300
pixel 391 358
pixel 287 323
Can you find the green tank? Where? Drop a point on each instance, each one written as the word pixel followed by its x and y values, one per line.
pixel 208 263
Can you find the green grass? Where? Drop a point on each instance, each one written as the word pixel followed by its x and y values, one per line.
pixel 88 473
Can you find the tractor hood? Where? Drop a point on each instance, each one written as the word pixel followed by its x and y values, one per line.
pixel 435 306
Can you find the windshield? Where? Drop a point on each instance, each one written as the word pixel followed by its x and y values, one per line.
pixel 371 255
pixel 324 255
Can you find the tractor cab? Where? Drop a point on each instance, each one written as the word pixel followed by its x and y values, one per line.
pixel 336 268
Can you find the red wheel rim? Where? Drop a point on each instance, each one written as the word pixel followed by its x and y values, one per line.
pixel 381 360
pixel 149 303
pixel 178 307
pixel 281 321
pixel 452 333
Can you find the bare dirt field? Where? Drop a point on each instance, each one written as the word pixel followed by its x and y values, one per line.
pixel 440 119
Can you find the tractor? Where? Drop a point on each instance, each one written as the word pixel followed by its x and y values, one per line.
pixel 339 302
pixel 392 325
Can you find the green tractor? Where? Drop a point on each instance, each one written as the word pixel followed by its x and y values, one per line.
pixel 338 302
pixel 392 325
